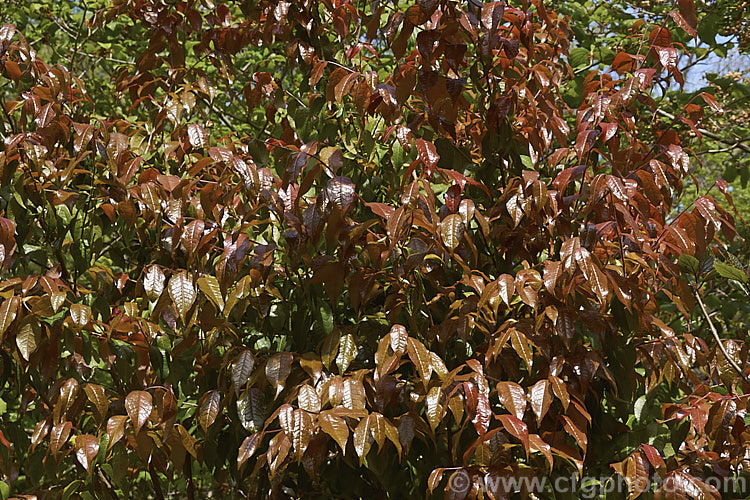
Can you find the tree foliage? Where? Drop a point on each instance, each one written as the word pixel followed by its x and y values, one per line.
pixel 302 249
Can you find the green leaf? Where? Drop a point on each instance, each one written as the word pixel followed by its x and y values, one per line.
pixel 730 272
pixel 640 404
pixel 689 264
pixel 578 57
pixel 325 317
pixel 69 490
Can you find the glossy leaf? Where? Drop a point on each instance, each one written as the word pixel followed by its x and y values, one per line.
pixel 182 291
pixel 138 405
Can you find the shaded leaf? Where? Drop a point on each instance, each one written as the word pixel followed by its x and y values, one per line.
pixel 247 448
pixel 278 368
pixel 241 369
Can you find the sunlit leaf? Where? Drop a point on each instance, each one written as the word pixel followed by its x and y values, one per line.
pixel 452 230
pixel 241 369
pixel 138 405
pixel 208 409
pixel 347 352
pixel 182 291
pixel 87 447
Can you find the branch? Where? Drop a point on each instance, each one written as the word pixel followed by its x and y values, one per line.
pixel 719 343
pixel 711 135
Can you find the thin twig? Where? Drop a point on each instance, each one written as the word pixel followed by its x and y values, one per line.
pixel 709 134
pixel 723 350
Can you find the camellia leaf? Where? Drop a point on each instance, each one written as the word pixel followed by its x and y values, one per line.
pixel 87 447
pixel 434 407
pixel 513 397
pixel 58 436
pixel 452 230
pixel 8 312
pixel 27 339
pixel 335 427
pixel 278 368
pixel 537 444
pixel 427 153
pixel 363 439
pixel 182 292
pixel 330 348
pixel 540 396
pixel 138 404
pixel 301 432
pixel 635 471
pixel 506 287
pixel 578 434
pixel 98 398
pixel 251 408
pixel 482 414
pixel 208 409
pixel 80 314
pixel 247 448
pixel 340 192
pixel 308 399
pixel 347 352
pixel 210 287
pixel 398 338
pixel 516 428
pixel 197 135
pixel 153 282
pixel 192 235
pixel 41 429
pixel 115 429
pixel 421 359
pixel 521 346
pixel 241 369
